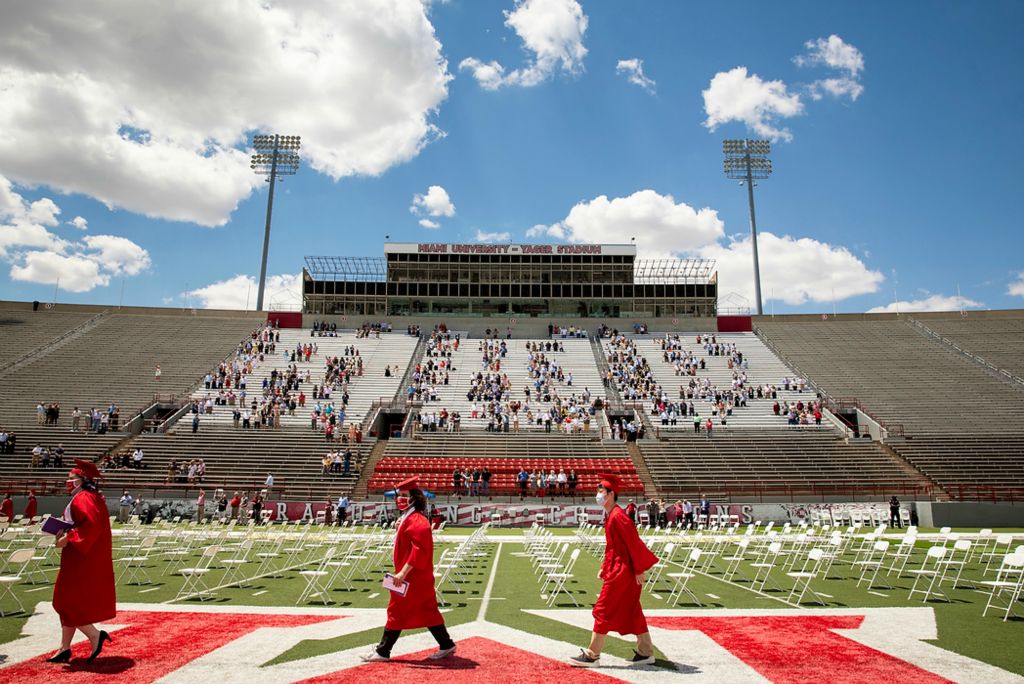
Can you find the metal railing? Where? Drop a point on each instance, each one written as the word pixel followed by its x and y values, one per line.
pixel 998 371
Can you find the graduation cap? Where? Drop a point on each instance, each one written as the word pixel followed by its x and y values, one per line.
pixel 87 470
pixel 610 482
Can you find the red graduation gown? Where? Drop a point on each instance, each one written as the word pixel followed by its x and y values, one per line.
pixel 7 509
pixel 31 508
pixel 414 544
pixel 625 556
pixel 84 591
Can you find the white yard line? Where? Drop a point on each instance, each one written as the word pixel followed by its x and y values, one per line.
pixel 373 595
pixel 29 591
pixel 876 593
pixel 713 596
pixel 486 599
pixel 258 593
pixel 146 591
pixel 821 593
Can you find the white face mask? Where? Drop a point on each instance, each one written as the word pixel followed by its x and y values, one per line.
pixel 600 498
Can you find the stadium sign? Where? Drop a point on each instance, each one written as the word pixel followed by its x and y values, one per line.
pixel 517 249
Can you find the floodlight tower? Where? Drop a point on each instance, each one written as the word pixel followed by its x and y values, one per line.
pixel 747 161
pixel 275 156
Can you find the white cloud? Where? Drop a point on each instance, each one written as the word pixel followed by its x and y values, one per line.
pixel 482 236
pixel 634 72
pixel 434 203
pixel 736 96
pixel 551 31
pixel 79 222
pixel 793 270
pixel 431 225
pixel 74 273
pixel 116 120
pixel 1016 287
pixel 38 256
pixel 932 303
pixel 282 293
pixel 117 255
pixel 836 54
pixel 660 225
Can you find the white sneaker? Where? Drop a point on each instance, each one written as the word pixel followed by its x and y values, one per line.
pixel 374 657
pixel 441 653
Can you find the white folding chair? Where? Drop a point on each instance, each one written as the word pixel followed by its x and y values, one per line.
pixel 16 563
pixel 929 573
pixel 953 566
pixel 804 577
pixel 682 579
pixel 1009 581
pixel 763 567
pixel 135 565
pixel 315 585
pixel 871 564
pixel 195 583
pixel 560 580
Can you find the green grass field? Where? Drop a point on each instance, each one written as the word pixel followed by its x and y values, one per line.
pixel 516 588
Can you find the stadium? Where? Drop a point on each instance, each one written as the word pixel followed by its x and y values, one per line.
pixel 420 394
pixel 591 424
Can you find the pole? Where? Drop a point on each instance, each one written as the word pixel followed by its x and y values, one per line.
pixel 56 286
pixel 753 237
pixel 266 230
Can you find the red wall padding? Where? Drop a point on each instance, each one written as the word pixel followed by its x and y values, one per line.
pixel 285 319
pixel 735 324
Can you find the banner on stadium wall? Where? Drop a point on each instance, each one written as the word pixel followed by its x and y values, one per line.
pixel 525 514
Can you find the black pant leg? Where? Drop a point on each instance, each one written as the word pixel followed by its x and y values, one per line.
pixel 388 641
pixel 440 634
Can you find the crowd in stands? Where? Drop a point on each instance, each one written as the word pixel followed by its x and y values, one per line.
pixel 375 329
pixel 8 441
pixel 323 329
pixel 186 472
pixel 428 375
pixel 45 457
pixel 539 483
pixel 124 460
pixel 337 463
pixel 97 421
pixel 566 331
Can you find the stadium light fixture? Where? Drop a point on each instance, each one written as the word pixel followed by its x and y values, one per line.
pixel 274 156
pixel 747 161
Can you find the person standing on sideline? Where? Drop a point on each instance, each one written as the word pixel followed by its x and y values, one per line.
pixel 269 483
pixel 414 563
pixel 894 512
pixel 626 559
pixel 201 506
pixel 84 591
pixel 124 507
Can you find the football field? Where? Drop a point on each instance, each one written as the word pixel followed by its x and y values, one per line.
pixel 302 603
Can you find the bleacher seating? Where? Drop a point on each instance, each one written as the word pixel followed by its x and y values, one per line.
pixel 434 456
pixel 954 459
pixel 764 369
pixel 390 349
pixel 23 331
pixel 1000 341
pixel 751 462
pixel 898 375
pixel 578 358
pixel 294 458
pixel 115 362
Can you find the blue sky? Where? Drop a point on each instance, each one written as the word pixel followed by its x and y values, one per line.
pixel 893 184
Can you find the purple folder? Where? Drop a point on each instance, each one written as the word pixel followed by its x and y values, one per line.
pixel 55 526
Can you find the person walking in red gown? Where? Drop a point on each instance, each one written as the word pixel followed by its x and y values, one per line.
pixel 84 591
pixel 7 508
pixel 32 507
pixel 626 559
pixel 414 563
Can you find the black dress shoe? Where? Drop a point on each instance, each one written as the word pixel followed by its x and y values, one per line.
pixel 99 645
pixel 61 657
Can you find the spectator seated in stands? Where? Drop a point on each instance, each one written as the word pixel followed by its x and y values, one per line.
pixel 324 329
